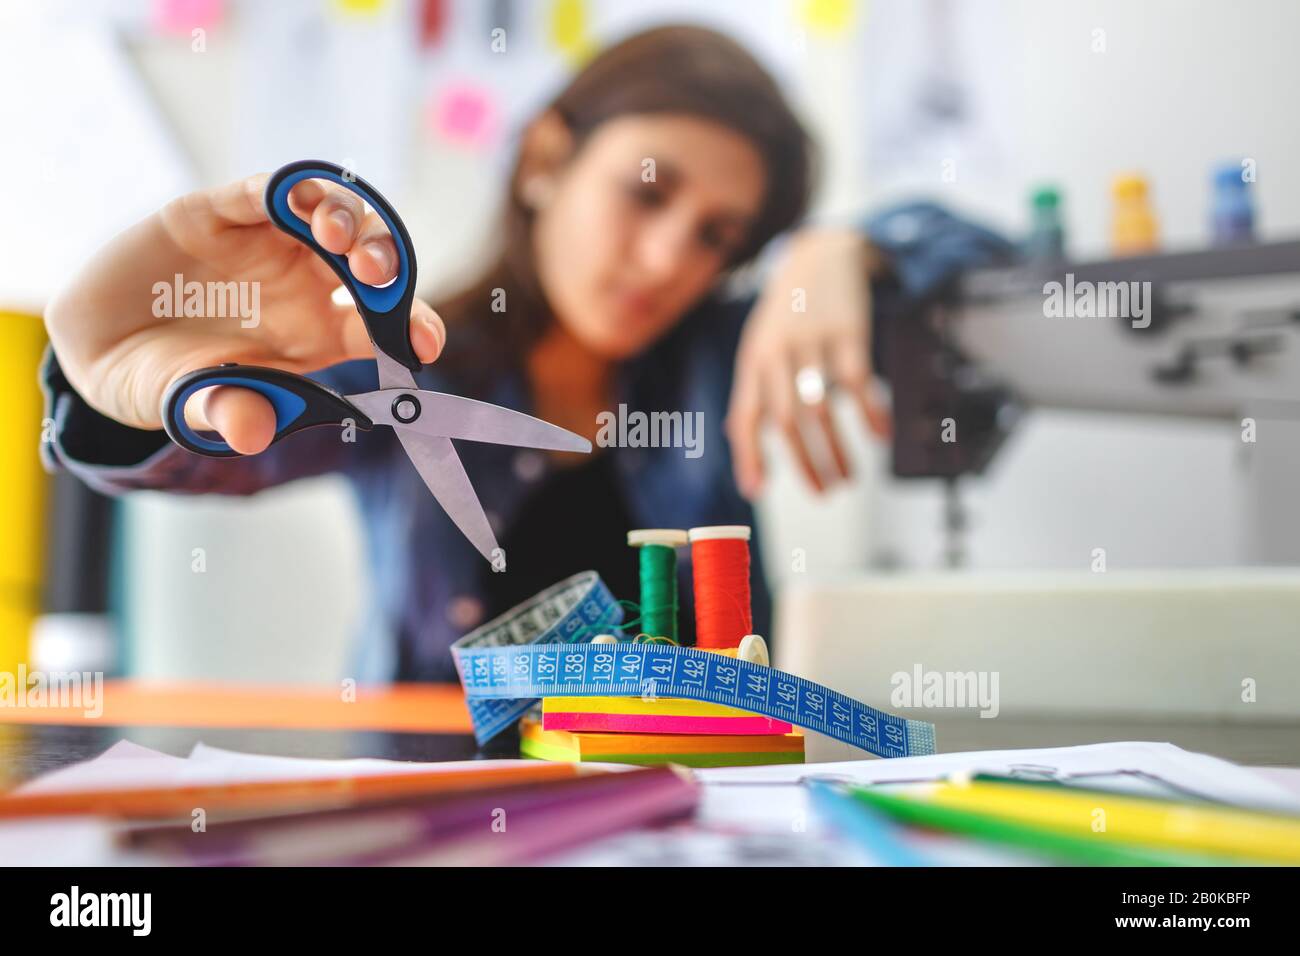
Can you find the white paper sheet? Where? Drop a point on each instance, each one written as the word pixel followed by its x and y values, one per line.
pixel 1136 766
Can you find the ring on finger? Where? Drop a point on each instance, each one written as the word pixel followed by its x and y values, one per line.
pixel 810 384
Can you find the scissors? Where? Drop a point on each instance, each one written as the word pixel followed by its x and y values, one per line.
pixel 425 421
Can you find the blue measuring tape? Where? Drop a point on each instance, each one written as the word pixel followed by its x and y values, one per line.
pixel 523 673
pixel 576 609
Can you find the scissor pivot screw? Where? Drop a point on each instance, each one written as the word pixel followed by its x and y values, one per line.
pixel 406 408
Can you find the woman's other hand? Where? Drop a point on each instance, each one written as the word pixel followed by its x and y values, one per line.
pixel 808 336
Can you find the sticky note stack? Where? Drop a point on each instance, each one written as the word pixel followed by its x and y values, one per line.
pixel 657 731
pixel 691 750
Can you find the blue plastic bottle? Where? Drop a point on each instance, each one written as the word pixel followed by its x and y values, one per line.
pixel 1232 219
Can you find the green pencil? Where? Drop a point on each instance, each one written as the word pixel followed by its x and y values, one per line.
pixel 1090 787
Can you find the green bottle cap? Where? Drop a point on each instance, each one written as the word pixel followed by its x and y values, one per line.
pixel 1045 197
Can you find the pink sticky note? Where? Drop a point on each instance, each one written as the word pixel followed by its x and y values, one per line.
pixel 182 16
pixel 465 114
pixel 664 724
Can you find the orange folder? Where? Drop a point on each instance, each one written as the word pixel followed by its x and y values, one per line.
pixel 413 708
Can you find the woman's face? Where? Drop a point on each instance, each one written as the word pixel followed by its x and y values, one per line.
pixel 638 224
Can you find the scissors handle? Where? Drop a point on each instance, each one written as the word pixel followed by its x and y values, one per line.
pixel 298 402
pixel 386 310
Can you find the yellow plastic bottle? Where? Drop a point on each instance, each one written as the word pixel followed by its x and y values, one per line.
pixel 1134 229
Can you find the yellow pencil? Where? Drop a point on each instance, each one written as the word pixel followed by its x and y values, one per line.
pixel 1225 830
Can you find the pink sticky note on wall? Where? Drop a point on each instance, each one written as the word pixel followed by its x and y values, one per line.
pixel 182 16
pixel 465 114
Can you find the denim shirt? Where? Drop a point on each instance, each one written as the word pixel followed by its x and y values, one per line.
pixel 426 589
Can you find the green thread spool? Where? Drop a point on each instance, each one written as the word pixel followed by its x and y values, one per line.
pixel 658 556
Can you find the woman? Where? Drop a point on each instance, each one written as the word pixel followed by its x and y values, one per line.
pixel 670 160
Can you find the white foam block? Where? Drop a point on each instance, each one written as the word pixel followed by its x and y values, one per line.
pixel 1185 643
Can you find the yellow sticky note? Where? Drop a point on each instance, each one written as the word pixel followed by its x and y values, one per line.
pixel 827 16
pixel 569 30
pixel 360 8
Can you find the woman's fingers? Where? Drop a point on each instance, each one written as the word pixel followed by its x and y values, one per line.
pixel 239 203
pixel 336 220
pixel 851 371
pixel 879 420
pixel 817 411
pixel 340 223
pixel 428 334
pixel 783 403
pixel 242 417
pixel 306 195
pixel 198 221
pixel 373 256
pixel 765 390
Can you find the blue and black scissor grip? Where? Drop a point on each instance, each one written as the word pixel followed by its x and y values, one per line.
pixel 298 402
pixel 386 310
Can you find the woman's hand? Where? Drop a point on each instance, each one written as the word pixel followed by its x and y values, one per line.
pixel 121 356
pixel 809 333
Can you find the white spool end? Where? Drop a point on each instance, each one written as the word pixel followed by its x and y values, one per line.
pixel 753 649
pixel 961 778
pixel 669 537
pixel 718 532
pixel 604 639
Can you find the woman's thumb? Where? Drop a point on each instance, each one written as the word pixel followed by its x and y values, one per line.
pixel 245 419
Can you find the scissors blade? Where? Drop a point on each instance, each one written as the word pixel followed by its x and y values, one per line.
pixel 436 460
pixel 453 416
pixel 392 373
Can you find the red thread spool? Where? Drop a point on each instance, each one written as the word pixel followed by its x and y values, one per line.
pixel 720 566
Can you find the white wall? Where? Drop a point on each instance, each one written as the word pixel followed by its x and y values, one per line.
pixel 1181 86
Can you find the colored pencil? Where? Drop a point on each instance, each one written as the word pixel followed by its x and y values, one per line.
pixel 1172 824
pixel 1066 847
pixel 271 795
pixel 486 827
pixel 870 829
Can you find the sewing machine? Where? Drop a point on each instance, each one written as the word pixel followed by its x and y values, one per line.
pixel 1213 334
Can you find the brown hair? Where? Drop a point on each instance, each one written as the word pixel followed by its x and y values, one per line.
pixel 674 69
